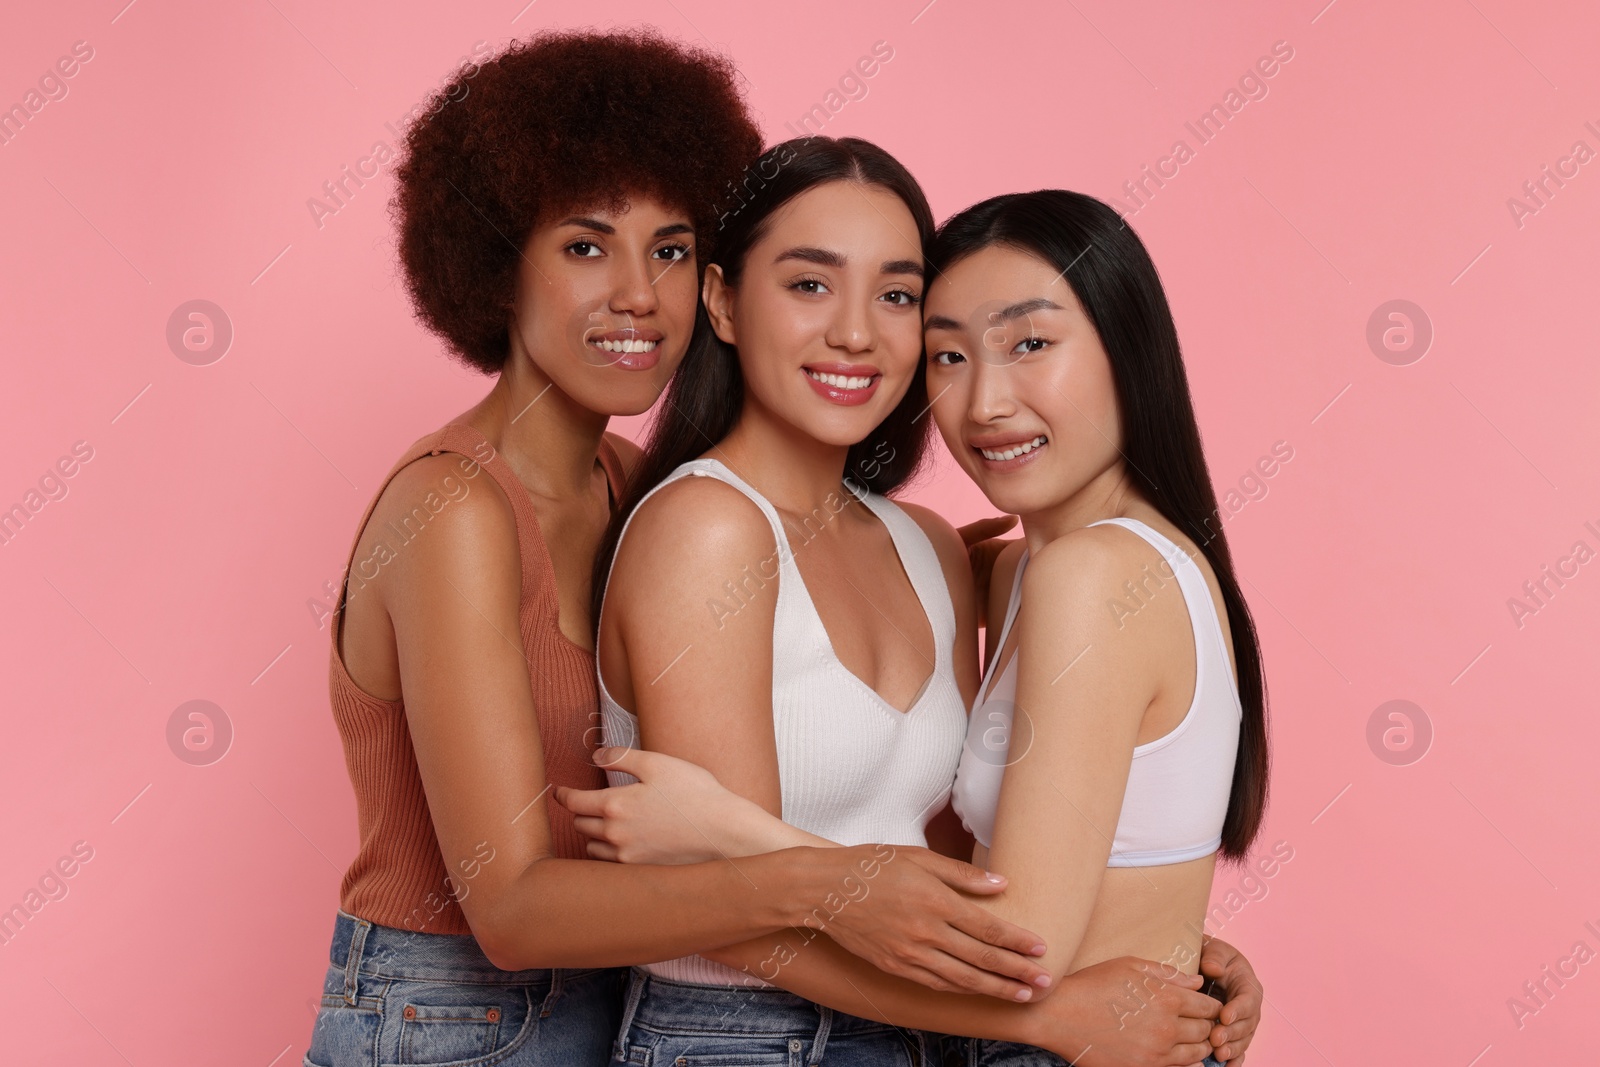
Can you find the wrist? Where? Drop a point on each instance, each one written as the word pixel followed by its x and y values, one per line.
pixel 1058 1023
pixel 802 875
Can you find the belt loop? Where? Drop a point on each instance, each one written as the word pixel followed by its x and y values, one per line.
pixel 352 960
pixel 557 977
pixel 637 978
pixel 819 1041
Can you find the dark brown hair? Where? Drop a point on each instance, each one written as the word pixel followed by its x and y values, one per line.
pixel 555 122
pixel 706 396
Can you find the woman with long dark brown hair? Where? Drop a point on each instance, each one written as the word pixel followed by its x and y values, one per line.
pixel 771 616
pixel 554 206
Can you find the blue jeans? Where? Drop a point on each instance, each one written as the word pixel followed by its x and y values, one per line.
pixel 675 1024
pixel 403 997
pixel 973 1052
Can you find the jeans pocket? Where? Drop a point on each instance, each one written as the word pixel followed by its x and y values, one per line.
pixel 444 1024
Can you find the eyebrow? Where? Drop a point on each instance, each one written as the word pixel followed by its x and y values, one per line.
pixel 605 227
pixel 827 257
pixel 1005 314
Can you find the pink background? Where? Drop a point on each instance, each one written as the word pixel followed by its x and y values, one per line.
pixel 219 498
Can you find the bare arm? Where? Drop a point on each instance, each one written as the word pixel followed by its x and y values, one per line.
pixel 452 598
pixel 698 675
pixel 1083 1022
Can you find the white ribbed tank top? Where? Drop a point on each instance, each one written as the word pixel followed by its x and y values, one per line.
pixel 1179 784
pixel 851 767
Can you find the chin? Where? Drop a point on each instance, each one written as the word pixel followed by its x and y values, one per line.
pixel 618 398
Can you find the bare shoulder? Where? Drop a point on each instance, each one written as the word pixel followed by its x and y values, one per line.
pixel 689 530
pixel 946 539
pixel 1085 566
pixel 452 500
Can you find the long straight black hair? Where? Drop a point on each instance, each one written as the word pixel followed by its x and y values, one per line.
pixel 706 395
pixel 1116 282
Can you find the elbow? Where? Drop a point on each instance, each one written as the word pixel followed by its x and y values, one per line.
pixel 497 947
pixel 508 942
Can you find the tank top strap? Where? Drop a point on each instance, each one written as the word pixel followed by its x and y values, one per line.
pixel 1210 647
pixel 1013 603
pixel 482 456
pixel 446 438
pixel 707 468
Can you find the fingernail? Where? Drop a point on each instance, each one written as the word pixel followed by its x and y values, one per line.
pixel 992 877
pixel 1023 994
pixel 1042 981
pixel 1038 950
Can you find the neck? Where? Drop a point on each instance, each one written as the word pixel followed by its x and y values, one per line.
pixel 796 472
pixel 1108 495
pixel 549 440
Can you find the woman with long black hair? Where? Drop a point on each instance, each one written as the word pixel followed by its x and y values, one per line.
pixel 771 616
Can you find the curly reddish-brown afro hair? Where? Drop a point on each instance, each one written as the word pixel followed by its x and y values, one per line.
pixel 558 121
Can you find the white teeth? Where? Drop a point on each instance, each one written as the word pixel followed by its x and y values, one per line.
pixel 841 381
pixel 625 346
pixel 1014 451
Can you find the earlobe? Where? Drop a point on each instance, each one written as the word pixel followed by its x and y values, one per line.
pixel 718 298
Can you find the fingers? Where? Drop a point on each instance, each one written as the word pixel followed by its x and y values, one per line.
pixel 590 827
pixel 582 801
pixel 1018 965
pixel 955 975
pixel 957 874
pixel 622 758
pixel 1193 1032
pixel 1189 1054
pixel 1196 1005
pixel 988 929
pixel 601 850
pixel 983 529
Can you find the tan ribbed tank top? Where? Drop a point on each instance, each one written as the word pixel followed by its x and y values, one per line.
pixel 398 877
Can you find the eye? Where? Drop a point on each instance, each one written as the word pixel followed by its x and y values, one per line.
pixel 583 249
pixel 812 286
pixel 673 253
pixel 1029 344
pixel 947 359
pixel 902 298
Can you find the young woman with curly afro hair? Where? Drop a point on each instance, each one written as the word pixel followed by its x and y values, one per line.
pixel 554 207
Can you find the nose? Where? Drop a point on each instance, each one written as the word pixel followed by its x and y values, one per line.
pixel 992 395
pixel 633 289
pixel 851 328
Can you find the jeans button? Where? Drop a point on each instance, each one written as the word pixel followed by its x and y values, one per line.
pixel 794 1044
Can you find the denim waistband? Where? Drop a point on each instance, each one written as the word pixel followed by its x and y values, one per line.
pixel 364 947
pixel 732 1010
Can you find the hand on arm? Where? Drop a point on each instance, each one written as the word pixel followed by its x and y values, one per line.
pixel 700 683
pixel 452 599
pixel 1082 690
pixel 1120 1013
pixel 983 546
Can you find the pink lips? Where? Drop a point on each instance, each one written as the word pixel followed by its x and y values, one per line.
pixel 632 337
pixel 838 392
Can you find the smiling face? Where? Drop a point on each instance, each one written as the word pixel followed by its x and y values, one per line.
pixel 606 301
pixel 1023 390
pixel 825 314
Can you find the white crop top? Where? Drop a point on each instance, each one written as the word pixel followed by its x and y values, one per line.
pixel 1179 784
pixel 851 767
